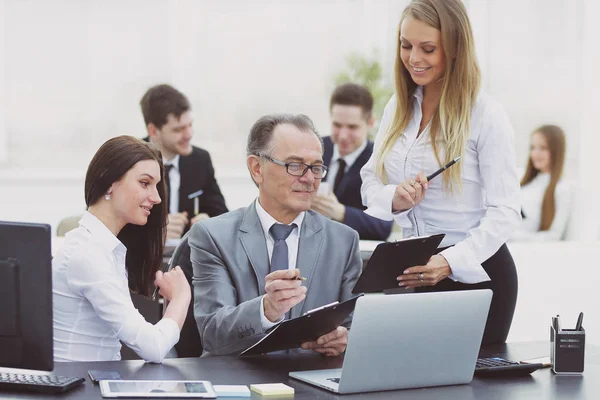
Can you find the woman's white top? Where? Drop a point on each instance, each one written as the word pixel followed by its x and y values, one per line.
pixel 477 220
pixel 532 195
pixel 92 302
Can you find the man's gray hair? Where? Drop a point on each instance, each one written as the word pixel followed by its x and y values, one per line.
pixel 261 133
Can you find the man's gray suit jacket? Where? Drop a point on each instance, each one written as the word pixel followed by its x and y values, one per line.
pixel 230 262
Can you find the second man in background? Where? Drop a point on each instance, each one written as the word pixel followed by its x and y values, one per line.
pixel 346 151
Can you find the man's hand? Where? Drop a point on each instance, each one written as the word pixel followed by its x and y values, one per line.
pixel 329 206
pixel 283 293
pixel 331 344
pixel 199 217
pixel 176 225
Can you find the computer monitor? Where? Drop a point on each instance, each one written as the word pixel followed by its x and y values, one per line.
pixel 25 296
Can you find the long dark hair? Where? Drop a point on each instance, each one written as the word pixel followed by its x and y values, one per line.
pixel 145 243
pixel 555 138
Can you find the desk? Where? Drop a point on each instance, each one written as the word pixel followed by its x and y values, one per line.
pixel 541 384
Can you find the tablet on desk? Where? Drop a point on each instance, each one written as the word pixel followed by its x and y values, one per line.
pixel 162 389
pixel 389 260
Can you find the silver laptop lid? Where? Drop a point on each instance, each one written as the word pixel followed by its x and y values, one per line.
pixel 414 340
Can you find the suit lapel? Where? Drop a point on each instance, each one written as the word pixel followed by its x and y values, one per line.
pixel 255 245
pixel 309 249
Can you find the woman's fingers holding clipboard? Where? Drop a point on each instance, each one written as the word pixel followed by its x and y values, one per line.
pixel 409 193
pixel 425 275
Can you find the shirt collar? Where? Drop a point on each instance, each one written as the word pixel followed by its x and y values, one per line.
pixel 267 221
pixel 174 161
pixel 418 94
pixel 101 232
pixel 349 158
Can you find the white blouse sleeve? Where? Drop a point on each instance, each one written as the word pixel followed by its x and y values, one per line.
pixel 496 159
pixel 376 195
pixel 93 275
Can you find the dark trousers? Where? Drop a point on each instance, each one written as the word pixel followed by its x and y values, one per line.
pixel 503 274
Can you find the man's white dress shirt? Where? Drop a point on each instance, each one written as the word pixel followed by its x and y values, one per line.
pixel 174 184
pixel 266 220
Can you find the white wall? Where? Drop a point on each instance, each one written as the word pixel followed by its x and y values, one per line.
pixel 73 74
pixel 552 280
pixel 3 136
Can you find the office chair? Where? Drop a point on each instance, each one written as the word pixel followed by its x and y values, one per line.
pixel 67 224
pixel 189 344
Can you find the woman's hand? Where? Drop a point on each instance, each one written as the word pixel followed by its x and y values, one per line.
pixel 409 193
pixel 426 275
pixel 173 284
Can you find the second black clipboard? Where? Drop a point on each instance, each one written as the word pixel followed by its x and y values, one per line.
pixel 290 334
pixel 389 260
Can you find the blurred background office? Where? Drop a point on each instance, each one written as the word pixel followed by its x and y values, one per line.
pixel 73 72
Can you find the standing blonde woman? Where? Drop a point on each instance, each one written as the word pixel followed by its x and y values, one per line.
pixel 439 113
pixel 546 198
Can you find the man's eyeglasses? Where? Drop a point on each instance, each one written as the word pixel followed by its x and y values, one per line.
pixel 299 169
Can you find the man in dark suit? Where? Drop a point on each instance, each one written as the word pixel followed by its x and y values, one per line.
pixel 346 151
pixel 190 173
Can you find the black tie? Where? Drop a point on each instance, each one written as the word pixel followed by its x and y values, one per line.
pixel 168 168
pixel 340 173
pixel 279 258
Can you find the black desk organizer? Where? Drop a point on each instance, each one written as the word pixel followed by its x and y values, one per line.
pixel 567 350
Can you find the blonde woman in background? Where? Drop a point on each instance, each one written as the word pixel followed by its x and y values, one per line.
pixel 439 113
pixel 545 198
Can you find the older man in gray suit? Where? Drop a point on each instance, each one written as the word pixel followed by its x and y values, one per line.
pixel 246 261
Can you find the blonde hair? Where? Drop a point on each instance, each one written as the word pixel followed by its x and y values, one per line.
pixel 461 82
pixel 555 139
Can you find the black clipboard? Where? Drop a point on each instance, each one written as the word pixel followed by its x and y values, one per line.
pixel 389 260
pixel 290 334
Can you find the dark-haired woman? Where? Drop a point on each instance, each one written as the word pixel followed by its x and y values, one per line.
pixel 545 198
pixel 116 249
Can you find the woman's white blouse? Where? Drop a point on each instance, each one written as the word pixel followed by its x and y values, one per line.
pixel 477 220
pixel 532 195
pixel 92 303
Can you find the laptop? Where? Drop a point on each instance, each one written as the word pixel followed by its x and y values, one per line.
pixel 410 340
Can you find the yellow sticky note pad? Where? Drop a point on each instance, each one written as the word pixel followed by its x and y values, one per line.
pixel 272 389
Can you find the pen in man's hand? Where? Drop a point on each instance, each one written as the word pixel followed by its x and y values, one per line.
pixel 299 278
pixel 445 167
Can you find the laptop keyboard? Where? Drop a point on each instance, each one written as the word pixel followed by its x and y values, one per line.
pixel 38 383
pixel 497 366
pixel 334 380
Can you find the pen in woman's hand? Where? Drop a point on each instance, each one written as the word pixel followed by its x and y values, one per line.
pixel 445 167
